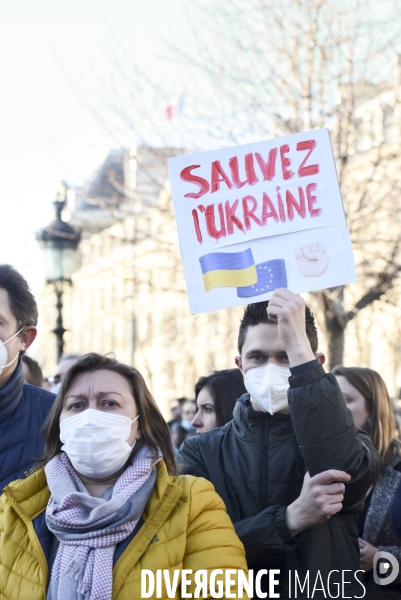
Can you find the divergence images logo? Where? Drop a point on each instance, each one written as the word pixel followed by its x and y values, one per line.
pixel 382 561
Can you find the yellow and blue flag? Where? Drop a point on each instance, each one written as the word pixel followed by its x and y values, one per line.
pixel 228 269
pixel 271 275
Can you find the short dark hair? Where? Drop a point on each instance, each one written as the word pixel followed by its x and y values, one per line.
pixel 35 372
pixel 226 387
pixel 22 301
pixel 155 431
pixel 256 313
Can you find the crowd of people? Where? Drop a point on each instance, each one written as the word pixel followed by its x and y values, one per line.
pixel 274 465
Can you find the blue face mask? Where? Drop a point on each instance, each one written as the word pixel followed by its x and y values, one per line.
pixel 187 425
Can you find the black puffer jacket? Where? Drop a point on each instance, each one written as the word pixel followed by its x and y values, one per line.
pixel 257 464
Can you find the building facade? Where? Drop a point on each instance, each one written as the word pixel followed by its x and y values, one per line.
pixel 128 292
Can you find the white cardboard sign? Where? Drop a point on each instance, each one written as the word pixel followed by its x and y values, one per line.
pixel 260 216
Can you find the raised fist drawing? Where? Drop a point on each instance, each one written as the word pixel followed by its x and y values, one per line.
pixel 312 259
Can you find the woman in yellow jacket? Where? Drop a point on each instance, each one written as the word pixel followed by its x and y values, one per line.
pixel 107 511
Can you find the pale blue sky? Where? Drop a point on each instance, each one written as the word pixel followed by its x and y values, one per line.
pixel 46 132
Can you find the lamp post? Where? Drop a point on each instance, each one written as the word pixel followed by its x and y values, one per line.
pixel 59 242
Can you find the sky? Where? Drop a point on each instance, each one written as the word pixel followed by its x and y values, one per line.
pixel 50 50
pixel 56 64
pixel 57 67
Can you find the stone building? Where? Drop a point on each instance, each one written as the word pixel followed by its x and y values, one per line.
pixel 128 292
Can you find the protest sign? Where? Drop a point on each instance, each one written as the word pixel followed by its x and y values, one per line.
pixel 260 216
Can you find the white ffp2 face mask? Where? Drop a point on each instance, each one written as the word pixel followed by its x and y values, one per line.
pixel 96 442
pixel 268 387
pixel 4 353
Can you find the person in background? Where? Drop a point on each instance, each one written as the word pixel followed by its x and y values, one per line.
pixel 108 503
pixel 188 410
pixel 215 396
pixel 366 396
pixel 47 383
pixel 66 361
pixel 23 407
pixel 184 429
pixel 175 409
pixel 32 371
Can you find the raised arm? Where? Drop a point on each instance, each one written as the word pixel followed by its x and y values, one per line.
pixel 324 428
pixel 327 436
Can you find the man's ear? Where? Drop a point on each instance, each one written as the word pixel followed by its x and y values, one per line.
pixel 238 362
pixel 28 336
pixel 321 358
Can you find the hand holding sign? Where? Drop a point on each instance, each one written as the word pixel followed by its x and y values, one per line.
pixel 288 311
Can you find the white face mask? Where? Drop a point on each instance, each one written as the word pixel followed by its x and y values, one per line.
pixel 96 442
pixel 268 387
pixel 4 353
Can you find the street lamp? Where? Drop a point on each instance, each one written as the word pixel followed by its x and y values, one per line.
pixel 59 242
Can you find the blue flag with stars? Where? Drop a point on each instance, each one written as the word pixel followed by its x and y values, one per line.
pixel 271 275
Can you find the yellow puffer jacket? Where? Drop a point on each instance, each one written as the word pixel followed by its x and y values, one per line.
pixel 185 527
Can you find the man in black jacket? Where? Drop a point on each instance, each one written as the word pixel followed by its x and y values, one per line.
pixel 292 468
pixel 23 407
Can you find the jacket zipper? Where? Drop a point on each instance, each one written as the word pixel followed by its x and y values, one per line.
pixel 265 455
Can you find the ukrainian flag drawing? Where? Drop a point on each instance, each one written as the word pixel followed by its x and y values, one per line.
pixel 228 269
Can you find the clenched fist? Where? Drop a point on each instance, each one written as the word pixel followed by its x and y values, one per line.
pixel 312 259
pixel 288 311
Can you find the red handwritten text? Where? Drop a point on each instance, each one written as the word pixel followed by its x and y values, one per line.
pixel 224 219
pixel 255 168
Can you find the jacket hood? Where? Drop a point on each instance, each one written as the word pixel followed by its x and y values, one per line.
pixel 11 393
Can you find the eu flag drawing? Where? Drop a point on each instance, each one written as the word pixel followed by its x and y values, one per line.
pixel 228 269
pixel 271 275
